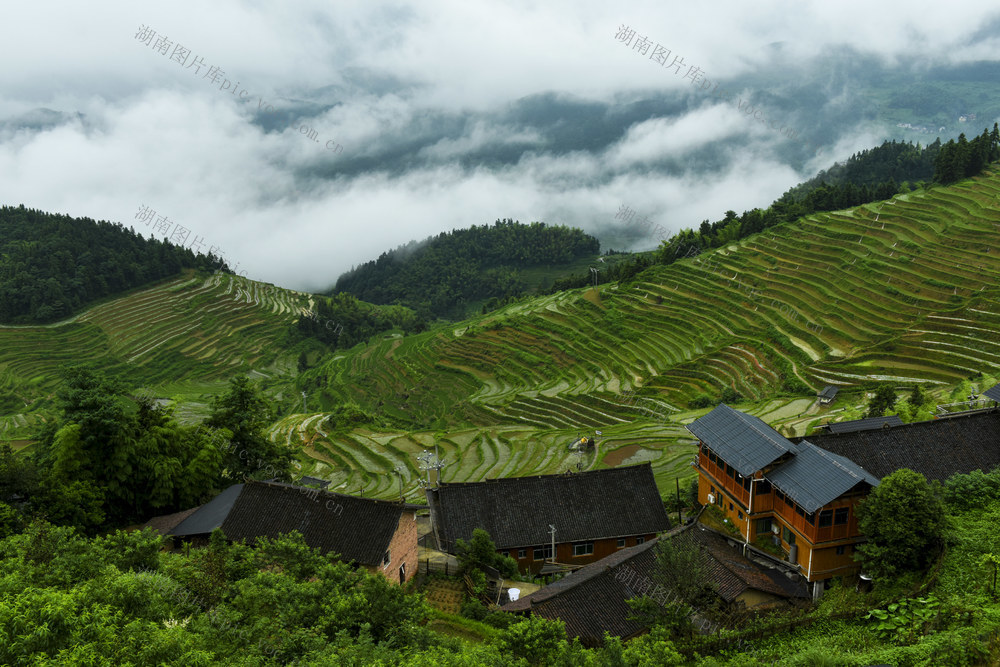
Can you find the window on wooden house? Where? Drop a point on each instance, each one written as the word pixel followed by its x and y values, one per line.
pixel 521 553
pixel 763 526
pixel 385 559
pixel 788 536
pixel 621 542
pixel 705 450
pixel 801 512
pixel 730 471
pixel 826 518
pixel 583 549
pixel 541 553
pixel 640 540
pixel 746 483
pixel 840 516
pixel 811 518
pixel 841 551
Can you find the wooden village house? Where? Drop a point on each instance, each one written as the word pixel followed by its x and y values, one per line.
pixel 801 496
pixel 593 599
pixel 586 515
pixel 804 492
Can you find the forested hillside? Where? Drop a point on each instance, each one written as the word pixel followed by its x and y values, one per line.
pixel 445 274
pixel 53 265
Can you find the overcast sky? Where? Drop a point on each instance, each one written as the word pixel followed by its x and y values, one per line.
pixel 446 114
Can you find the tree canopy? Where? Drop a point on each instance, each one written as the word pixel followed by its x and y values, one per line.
pixel 250 454
pixel 903 519
pixel 883 401
pixel 128 455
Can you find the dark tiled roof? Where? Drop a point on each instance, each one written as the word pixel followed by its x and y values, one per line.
pixel 743 441
pixel 163 524
pixel 814 477
pixel 829 392
pixel 517 511
pixel 865 424
pixel 937 448
pixel 593 599
pixel 993 392
pixel 209 516
pixel 732 573
pixel 357 529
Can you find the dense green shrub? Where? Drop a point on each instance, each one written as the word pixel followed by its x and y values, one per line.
pixel 701 401
pixel 975 489
pixel 474 609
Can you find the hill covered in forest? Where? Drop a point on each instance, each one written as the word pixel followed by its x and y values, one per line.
pixel 53 265
pixel 447 274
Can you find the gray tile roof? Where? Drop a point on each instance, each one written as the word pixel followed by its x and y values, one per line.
pixel 592 600
pixel 356 529
pixel 936 448
pixel 865 424
pixel 993 393
pixel 517 511
pixel 829 392
pixel 164 523
pixel 815 477
pixel 210 515
pixel 314 481
pixel 743 441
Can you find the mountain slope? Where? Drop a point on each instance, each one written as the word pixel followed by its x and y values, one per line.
pixel 904 289
pixel 192 328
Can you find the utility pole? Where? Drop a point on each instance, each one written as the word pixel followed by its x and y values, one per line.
pixel 430 462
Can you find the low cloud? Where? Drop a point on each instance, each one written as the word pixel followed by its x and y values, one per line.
pixel 448 115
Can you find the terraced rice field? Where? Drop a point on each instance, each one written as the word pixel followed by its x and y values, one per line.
pixel 372 462
pixel 194 328
pixel 364 461
pixel 904 290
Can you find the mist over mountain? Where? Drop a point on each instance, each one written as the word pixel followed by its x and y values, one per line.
pixel 364 127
